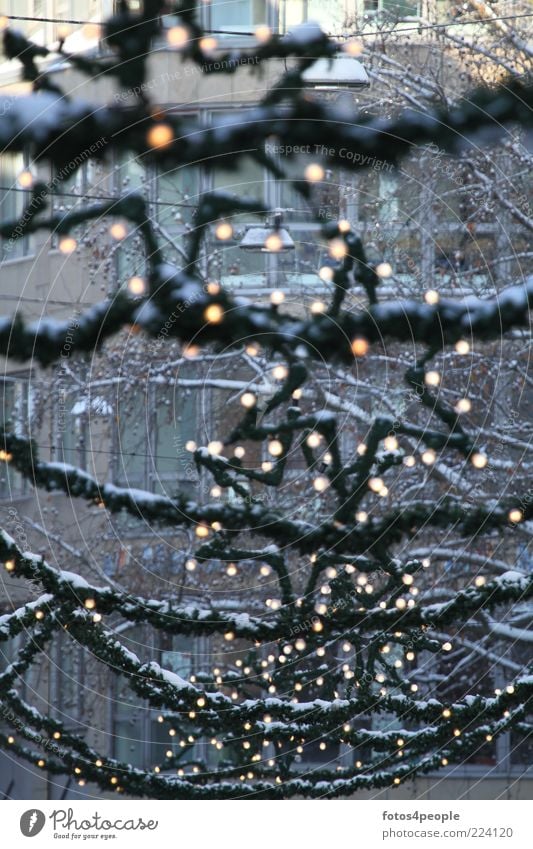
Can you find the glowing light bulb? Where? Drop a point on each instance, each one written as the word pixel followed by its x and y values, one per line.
pixel 9 565
pixel 462 346
pixel 353 48
pixel 39 614
pixel 190 445
pixel 344 226
pixel 479 461
pixel 314 439
pixel 215 447
pixel 118 231
pixel 375 484
pixel 480 581
pixel 190 565
pixel 177 36
pixel 384 270
pixel 263 33
pixel 321 483
pixel 318 307
pixel 160 136
pixel 431 297
pixel 337 249
pixel 239 452
pixel 432 378
pixel 463 406
pixel 202 531
pixel 207 44
pixel 359 347
pixel 314 173
pixel 429 457
pixel 280 372
pixel 391 443
pixel 90 603
pixel 273 243
pixel 231 570
pixel 409 461
pixel 214 314
pixel 136 286
pixel 248 400
pixel 68 245
pixel 401 603
pixel 25 179
pixel 224 231
pixel 275 448
pixel 277 297
pixel 326 273
pixel 447 646
pixel 515 515
pixel 361 516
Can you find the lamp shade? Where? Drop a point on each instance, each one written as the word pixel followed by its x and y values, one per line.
pixel 257 238
pixel 340 71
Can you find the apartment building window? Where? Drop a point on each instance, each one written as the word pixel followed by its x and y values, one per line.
pixel 174 425
pixel 12 201
pixel 332 15
pixel 237 15
pixel 14 405
pixel 394 9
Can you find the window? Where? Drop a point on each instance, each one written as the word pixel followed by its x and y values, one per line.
pixel 12 200
pixel 237 15
pixel 14 395
pixel 394 9
pixel 330 14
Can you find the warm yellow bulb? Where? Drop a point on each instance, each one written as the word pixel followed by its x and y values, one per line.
pixel 391 443
pixel 384 270
pixel 231 570
pixel 321 483
pixel 515 515
pixel 314 439
pixel 429 457
pixel 118 231
pixel 9 565
pixel 277 297
pixel 214 313
pixel 160 136
pixel 375 484
pixel 326 273
pixel 431 297
pixel 202 531
pixel 90 603
pixel 447 646
pixel 462 346
pixel 177 36
pixel 318 307
pixel 280 372
pixel 337 249
pixel 136 285
pixel 207 44
pixel 409 461
pixel 68 245
pixel 463 406
pixel 353 48
pixel 273 243
pixel 263 33
pixel 275 448
pixel 359 347
pixel 25 179
pixel 479 461
pixel 224 231
pixel 314 173
pixel 248 400
pixel 432 378
pixel 215 447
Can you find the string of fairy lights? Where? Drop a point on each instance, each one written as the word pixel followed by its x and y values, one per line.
pixel 342 636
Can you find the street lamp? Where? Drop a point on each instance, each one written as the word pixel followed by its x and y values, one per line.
pixel 338 72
